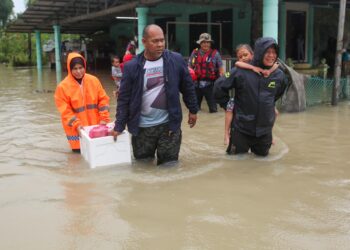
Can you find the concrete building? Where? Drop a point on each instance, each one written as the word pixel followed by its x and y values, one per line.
pixel 305 29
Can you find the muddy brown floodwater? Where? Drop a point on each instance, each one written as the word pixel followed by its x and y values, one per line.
pixel 296 198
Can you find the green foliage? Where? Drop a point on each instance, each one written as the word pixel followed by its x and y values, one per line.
pixel 20 60
pixel 6 7
pixel 14 47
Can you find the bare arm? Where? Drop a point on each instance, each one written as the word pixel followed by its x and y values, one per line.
pixel 268 72
pixel 221 71
pixel 244 65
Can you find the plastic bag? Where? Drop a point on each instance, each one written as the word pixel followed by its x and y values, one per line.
pixel 98 131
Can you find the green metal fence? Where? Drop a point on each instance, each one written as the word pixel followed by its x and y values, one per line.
pixel 319 90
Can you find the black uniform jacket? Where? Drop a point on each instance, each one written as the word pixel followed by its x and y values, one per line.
pixel 255 95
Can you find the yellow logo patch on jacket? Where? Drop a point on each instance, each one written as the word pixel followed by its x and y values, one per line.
pixel 272 85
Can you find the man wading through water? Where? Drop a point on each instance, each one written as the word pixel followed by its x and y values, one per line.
pixel 149 99
pixel 255 97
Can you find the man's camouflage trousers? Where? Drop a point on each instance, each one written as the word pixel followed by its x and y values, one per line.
pixel 157 138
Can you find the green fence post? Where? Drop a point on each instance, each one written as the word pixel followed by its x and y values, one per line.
pixel 39 64
pixel 57 30
pixel 282 31
pixel 310 35
pixel 141 24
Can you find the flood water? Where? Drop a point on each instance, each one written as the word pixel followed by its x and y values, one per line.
pixel 296 198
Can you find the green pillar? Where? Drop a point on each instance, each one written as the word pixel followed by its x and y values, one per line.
pixel 310 36
pixel 241 26
pixel 57 30
pixel 30 48
pixel 141 24
pixel 282 31
pixel 39 64
pixel 270 18
pixel 182 34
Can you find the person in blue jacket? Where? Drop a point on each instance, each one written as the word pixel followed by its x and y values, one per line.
pixel 149 99
pixel 255 97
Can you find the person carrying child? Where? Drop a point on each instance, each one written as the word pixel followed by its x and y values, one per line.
pixel 255 97
pixel 244 54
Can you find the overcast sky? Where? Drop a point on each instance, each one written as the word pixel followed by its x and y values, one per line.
pixel 19 6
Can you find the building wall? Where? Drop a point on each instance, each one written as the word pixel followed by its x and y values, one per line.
pixel 326 32
pixel 242 25
pixel 241 16
pixel 244 28
pixel 121 34
pixel 322 32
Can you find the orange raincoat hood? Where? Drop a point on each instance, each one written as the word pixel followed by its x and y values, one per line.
pixel 71 56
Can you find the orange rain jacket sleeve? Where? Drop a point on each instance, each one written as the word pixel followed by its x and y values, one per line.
pixel 82 104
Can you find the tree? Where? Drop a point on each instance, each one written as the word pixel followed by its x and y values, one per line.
pixel 6 7
pixel 29 2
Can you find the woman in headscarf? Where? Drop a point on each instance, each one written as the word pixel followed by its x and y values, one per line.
pixel 81 100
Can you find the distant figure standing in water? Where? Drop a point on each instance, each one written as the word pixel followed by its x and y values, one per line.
pixel 300 48
pixel 149 99
pixel 81 100
pixel 207 64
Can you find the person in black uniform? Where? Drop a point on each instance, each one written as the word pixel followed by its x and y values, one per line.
pixel 254 99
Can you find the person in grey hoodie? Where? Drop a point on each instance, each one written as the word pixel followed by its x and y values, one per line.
pixel 255 97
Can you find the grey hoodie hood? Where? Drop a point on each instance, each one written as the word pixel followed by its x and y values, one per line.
pixel 260 47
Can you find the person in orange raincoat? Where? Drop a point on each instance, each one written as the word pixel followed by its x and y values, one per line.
pixel 81 100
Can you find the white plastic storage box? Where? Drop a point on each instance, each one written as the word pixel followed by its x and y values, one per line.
pixel 105 151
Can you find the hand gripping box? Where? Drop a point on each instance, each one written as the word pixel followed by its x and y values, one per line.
pixel 105 151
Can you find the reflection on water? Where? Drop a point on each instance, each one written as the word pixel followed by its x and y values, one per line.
pixel 296 198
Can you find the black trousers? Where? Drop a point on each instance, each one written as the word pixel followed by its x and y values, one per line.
pixel 241 143
pixel 207 92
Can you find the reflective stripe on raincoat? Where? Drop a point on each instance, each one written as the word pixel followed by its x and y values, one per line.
pixel 82 104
